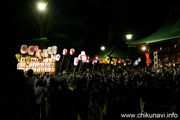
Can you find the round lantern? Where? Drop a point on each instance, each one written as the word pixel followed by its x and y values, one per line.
pixel 49 50
pixel 45 53
pixel 38 53
pixel 72 51
pixel 57 57
pixel 87 58
pixel 65 51
pixel 54 50
pixel 53 57
pixel 75 61
pixel 23 49
pixel 31 50
pixel 95 58
pixel 83 53
pixel 84 58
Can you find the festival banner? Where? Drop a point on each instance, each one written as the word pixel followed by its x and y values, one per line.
pixel 155 59
pixel 147 60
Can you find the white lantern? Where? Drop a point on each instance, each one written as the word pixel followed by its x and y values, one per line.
pixel 54 50
pixel 53 57
pixel 75 61
pixel 31 50
pixel 84 58
pixel 83 53
pixel 72 51
pixel 49 50
pixel 23 49
pixel 38 53
pixel 58 57
pixel 65 51
pixel 45 53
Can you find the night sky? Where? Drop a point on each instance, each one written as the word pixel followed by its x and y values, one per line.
pixel 88 24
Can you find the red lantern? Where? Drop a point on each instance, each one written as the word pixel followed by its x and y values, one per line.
pixel 57 57
pixel 95 58
pixel 36 48
pixel 23 49
pixel 87 58
pixel 65 51
pixel 72 51
pixel 31 50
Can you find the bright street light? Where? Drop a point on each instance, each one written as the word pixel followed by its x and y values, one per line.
pixel 129 36
pixel 102 48
pixel 42 5
pixel 143 48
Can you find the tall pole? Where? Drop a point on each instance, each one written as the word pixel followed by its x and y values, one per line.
pixel 61 64
pixel 68 63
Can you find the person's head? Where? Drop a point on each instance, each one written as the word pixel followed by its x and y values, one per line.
pixel 30 73
pixel 39 83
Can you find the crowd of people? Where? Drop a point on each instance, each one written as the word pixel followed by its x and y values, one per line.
pixel 97 96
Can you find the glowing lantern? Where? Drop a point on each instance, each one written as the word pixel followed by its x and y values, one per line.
pixel 31 50
pixel 27 60
pixel 83 53
pixel 72 51
pixel 79 57
pixel 36 48
pixel 54 50
pixel 57 57
pixel 65 51
pixel 18 57
pixel 53 57
pixel 75 61
pixel 139 59
pixel 49 50
pixel 23 49
pixel 107 59
pixel 118 61
pixel 38 53
pixel 93 62
pixel 84 58
pixel 45 53
pixel 95 58
pixel 87 58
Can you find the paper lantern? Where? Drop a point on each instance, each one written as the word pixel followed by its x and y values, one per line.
pixel 54 50
pixel 38 53
pixel 84 58
pixel 65 51
pixel 79 57
pixel 53 57
pixel 23 49
pixel 36 48
pixel 58 57
pixel 31 50
pixel 95 58
pixel 87 58
pixel 45 53
pixel 76 61
pixel 27 60
pixel 93 62
pixel 72 51
pixel 49 50
pixel 83 53
pixel 18 57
